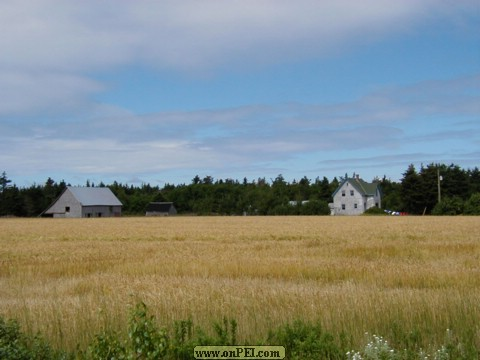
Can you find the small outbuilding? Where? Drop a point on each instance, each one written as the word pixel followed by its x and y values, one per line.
pixel 160 209
pixel 85 202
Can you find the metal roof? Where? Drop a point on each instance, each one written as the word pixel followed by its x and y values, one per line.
pixel 160 207
pixel 92 196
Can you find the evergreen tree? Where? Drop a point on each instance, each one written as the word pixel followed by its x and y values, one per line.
pixel 391 198
pixel 11 202
pixel 415 192
pixel 455 182
pixel 473 181
pixel 411 187
pixel 428 187
pixel 4 181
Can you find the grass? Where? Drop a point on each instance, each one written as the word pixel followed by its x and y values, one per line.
pixel 402 277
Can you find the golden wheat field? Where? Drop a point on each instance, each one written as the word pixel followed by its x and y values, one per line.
pixel 71 278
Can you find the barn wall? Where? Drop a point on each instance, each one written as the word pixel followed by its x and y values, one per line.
pixel 66 200
pixel 156 213
pixel 171 211
pixel 101 211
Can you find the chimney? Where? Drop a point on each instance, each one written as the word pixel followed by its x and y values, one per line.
pixel 357 177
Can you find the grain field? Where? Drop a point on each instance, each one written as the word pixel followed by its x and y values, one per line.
pixel 71 278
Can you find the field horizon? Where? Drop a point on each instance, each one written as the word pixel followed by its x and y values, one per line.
pixel 393 276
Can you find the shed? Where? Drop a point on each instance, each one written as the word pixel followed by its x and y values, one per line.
pixel 160 209
pixel 79 202
pixel 354 196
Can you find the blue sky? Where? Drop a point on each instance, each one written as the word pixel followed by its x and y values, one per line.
pixel 160 91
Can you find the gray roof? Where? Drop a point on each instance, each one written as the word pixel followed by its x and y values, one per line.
pixel 92 196
pixel 160 207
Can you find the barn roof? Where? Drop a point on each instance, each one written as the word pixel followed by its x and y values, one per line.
pixel 92 196
pixel 159 207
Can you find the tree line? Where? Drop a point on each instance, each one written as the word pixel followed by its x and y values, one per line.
pixel 416 193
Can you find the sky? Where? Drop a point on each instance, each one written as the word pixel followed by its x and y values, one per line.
pixel 160 91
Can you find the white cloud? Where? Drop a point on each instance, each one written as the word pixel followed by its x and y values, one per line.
pixel 88 35
pixel 215 140
pixel 53 50
pixel 27 93
pixel 105 156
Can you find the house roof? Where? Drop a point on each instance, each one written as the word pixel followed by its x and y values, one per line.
pixel 93 196
pixel 364 188
pixel 159 207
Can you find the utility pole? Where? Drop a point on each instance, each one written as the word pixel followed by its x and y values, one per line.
pixel 438 185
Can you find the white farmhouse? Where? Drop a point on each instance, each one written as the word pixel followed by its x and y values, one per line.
pixel 354 196
pixel 78 202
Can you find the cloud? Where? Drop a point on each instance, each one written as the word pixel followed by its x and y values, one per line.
pixel 55 52
pixel 92 35
pixel 86 35
pixel 26 93
pixel 52 49
pixel 376 166
pixel 105 156
pixel 261 138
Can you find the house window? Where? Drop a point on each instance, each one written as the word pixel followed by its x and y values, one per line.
pixel 355 206
pixel 343 192
pixel 67 209
pixel 351 192
pixel 343 206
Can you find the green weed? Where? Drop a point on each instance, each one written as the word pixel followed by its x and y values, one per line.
pixel 146 340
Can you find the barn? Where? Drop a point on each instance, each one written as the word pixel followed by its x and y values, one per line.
pixel 85 202
pixel 160 209
pixel 353 196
